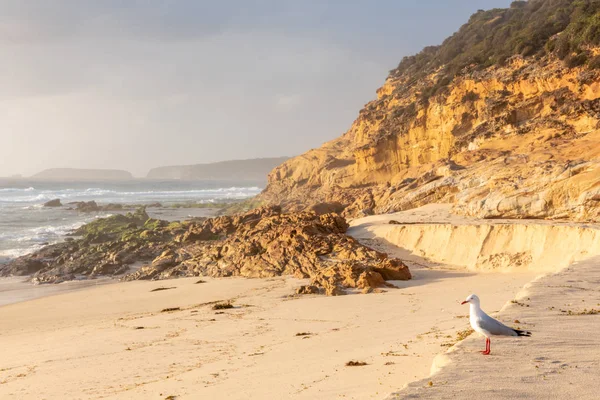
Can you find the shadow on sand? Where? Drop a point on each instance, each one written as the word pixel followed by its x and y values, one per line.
pixel 423 270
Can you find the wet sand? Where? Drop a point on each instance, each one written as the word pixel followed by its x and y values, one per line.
pixel 17 289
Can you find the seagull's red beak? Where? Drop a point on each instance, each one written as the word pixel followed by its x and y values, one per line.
pixel 464 302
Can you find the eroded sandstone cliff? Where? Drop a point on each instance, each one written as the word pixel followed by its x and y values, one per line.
pixel 500 134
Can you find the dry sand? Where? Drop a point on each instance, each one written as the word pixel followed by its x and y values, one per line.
pixel 561 360
pixel 89 344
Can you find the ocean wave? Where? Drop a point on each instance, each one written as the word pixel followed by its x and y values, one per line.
pixel 28 199
pixel 9 254
pixel 39 196
pixel 8 235
pixel 233 189
pixel 29 189
pixel 33 207
pixel 30 240
pixel 56 230
pixel 45 233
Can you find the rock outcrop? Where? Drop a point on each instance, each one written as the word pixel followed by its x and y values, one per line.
pixel 106 247
pixel 86 206
pixel 266 243
pixel 499 131
pixel 92 206
pixel 53 203
pixel 261 243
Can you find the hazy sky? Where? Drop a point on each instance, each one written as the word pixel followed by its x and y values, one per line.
pixel 134 84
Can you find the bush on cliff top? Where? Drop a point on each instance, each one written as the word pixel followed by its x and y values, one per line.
pixel 527 28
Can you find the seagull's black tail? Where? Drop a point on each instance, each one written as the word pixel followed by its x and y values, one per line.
pixel 522 333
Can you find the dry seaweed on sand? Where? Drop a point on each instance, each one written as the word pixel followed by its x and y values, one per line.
pixel 355 364
pixel 585 311
pixel 222 306
pixel 461 335
pixel 158 289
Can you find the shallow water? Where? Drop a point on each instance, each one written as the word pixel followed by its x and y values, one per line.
pixel 17 289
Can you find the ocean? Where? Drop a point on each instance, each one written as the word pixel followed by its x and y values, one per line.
pixel 25 225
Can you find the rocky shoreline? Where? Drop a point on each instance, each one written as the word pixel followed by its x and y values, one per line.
pixel 261 243
pixel 92 206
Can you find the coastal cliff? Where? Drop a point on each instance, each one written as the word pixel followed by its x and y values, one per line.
pixel 501 120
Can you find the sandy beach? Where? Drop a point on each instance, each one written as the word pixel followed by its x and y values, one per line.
pixel 191 209
pixel 117 341
pixel 561 360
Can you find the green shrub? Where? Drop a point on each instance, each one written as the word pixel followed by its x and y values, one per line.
pixel 532 28
pixel 594 63
pixel 575 60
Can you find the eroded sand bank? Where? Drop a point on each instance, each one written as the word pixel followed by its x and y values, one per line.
pixel 90 343
pixel 432 233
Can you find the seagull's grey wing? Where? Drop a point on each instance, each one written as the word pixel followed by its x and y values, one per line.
pixel 494 327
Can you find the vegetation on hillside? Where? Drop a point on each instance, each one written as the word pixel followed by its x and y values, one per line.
pixel 566 28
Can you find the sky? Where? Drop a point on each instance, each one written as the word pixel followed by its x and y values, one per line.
pixel 136 84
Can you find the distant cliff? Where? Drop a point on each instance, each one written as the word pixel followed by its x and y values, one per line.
pixel 76 174
pixel 501 120
pixel 255 170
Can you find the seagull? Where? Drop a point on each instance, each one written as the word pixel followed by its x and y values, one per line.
pixel 488 326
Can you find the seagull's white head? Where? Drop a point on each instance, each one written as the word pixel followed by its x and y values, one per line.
pixel 473 299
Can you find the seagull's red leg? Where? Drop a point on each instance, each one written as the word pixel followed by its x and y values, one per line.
pixel 487 347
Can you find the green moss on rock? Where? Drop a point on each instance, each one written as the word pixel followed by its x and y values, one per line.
pixel 115 225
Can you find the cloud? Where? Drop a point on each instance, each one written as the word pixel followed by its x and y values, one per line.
pixel 142 83
pixel 140 105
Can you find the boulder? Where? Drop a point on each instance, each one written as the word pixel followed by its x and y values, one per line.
pixel 392 269
pixel 308 289
pixel 327 208
pixel 22 267
pixel 53 203
pixel 86 206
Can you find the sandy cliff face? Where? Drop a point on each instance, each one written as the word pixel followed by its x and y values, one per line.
pixel 519 140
